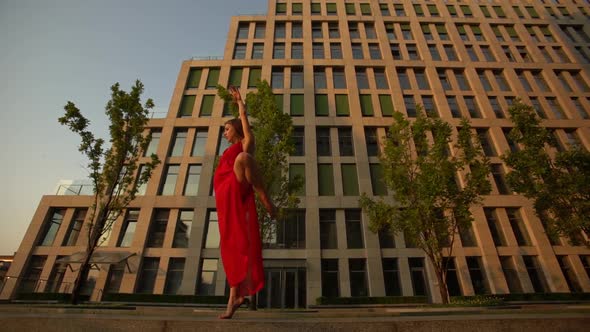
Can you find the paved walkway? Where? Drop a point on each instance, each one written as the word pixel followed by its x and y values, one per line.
pixel 514 318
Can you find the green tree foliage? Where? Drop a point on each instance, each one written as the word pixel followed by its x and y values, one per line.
pixel 427 203
pixel 557 181
pixel 112 169
pixel 273 134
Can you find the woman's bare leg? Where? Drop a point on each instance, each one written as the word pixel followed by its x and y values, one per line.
pixel 233 303
pixel 246 169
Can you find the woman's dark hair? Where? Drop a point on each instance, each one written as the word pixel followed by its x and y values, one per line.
pixel 237 124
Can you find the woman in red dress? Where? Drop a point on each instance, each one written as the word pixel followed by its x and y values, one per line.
pixel 236 179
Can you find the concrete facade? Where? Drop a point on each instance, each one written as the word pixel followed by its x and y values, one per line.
pixel 468 58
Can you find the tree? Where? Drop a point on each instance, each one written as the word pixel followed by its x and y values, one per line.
pixel 557 181
pixel 273 134
pixel 112 170
pixel 427 203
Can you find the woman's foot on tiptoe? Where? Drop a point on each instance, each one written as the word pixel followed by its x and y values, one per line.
pixel 232 306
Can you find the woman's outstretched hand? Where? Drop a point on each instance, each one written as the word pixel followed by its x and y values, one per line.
pixel 235 93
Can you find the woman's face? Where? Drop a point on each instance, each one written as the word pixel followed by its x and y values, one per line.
pixel 230 133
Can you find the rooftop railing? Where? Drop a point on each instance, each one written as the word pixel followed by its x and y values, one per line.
pixel 74 189
pixel 207 57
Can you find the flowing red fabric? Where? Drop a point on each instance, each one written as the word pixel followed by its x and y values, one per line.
pixel 240 243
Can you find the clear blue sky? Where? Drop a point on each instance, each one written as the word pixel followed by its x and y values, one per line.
pixel 60 50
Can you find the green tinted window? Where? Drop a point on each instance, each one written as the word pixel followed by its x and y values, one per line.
pixel 254 77
pixel 321 105
pixel 350 185
pixel 377 182
pixel 235 77
pixel 194 77
pixel 207 105
pixel 386 105
pixel 366 105
pixel 186 106
pixel 213 78
pixel 342 108
pixel 297 105
pixel 298 170
pixel 325 180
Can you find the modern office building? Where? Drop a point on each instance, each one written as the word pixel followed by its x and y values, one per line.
pixel 340 69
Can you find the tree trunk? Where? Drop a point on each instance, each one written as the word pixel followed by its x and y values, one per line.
pixel 442 287
pixel 82 275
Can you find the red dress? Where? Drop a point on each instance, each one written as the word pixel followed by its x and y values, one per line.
pixel 240 243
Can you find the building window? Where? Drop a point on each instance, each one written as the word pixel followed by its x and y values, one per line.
pixel 386 237
pixel 450 51
pixel 461 80
pixel 235 76
pixel 199 143
pixel 451 278
pixel 296 51
pixel 318 50
pixel 297 105
pixel 277 78
pixel 257 51
pixel 354 229
pixel 316 8
pixel 330 280
pixel 158 228
pixel 296 78
pixel 174 275
pixel 413 52
pixel 179 142
pixel 418 275
pixel 254 77
pixel 297 170
pixel 259 30
pixel 487 53
pixel 194 77
pixel 128 229
pixel 191 187
pixel 518 227
pixel 511 274
pixel 434 54
pixel 486 142
pixel 535 274
pixel 243 29
pixel 30 280
pixel 278 51
pixel 370 31
pixel 296 8
pixel 353 30
pixel 380 79
pixel 374 51
pixel 296 30
pixel 501 80
pixel 331 9
pixel 366 9
pixel 186 106
pixel 328 231
pixel 477 275
pixel 467 236
pixel 377 182
pixel 357 51
pixel 291 233
pixel 421 79
pixel 222 143
pixel 206 285
pixel 500 179
pixel 349 180
pixel 52 225
pixel 75 227
pixel 410 105
pixel 325 180
pixel 212 233
pixel 240 51
pixel 429 106
pixel 147 275
pixel 207 105
pixel 342 108
pixel 169 185
pixel 316 30
pixel 298 141
pixel 333 30
pixel 358 277
pixel 339 78
pixel 569 274
pixel 280 30
pixel 371 141
pixel 335 51
pixel 114 278
pixel 406 31
pixel 321 105
pixel 366 105
pixel 345 141
pixel 453 107
pixel 472 107
pixel 182 232
pixel 361 78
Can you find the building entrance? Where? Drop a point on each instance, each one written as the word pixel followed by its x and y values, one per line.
pixel 285 287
